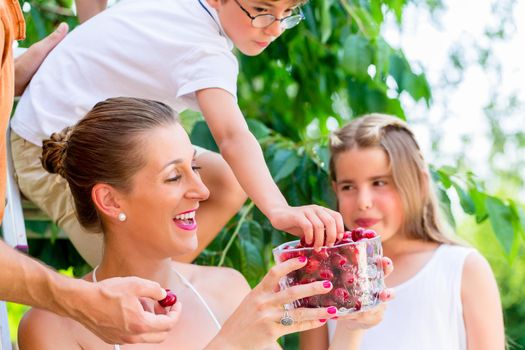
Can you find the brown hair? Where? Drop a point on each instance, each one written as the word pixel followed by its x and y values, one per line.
pixel 294 2
pixel 103 147
pixel 422 218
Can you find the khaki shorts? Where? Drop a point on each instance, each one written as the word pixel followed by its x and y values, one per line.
pixel 50 192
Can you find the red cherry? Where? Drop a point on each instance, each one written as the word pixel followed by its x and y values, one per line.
pixel 169 300
pixel 323 253
pixel 338 260
pixel 340 296
pixel 304 244
pixel 307 279
pixel 326 274
pixel 357 234
pixel 312 265
pixel 369 234
pixel 348 278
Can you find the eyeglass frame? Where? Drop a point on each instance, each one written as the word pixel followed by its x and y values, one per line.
pixel 300 14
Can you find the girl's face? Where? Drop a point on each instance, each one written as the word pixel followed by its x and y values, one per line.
pixel 366 192
pixel 165 194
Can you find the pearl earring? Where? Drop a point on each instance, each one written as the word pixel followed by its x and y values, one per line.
pixel 122 217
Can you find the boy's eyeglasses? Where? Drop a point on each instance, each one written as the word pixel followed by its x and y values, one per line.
pixel 265 20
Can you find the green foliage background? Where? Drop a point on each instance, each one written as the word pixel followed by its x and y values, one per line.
pixel 328 70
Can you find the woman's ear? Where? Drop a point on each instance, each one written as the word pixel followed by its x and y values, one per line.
pixel 107 200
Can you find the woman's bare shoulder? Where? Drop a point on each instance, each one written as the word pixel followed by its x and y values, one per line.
pixel 41 329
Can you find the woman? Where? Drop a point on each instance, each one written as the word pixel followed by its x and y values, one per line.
pixel 131 169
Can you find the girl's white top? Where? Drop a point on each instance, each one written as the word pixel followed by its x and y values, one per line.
pixel 427 312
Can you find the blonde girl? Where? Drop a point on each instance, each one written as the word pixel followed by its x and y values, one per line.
pixel 446 294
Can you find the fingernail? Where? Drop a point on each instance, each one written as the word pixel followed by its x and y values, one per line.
pixel 331 310
pixel 302 259
pixel 327 284
pixel 61 27
pixel 322 320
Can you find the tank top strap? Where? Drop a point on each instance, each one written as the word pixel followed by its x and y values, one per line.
pixel 199 296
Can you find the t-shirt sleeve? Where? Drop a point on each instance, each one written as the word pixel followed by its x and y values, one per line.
pixel 206 68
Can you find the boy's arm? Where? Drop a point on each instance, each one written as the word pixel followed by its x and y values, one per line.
pixel 89 8
pixel 243 153
pixel 112 310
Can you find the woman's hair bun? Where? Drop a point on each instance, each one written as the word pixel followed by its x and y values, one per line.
pixel 54 151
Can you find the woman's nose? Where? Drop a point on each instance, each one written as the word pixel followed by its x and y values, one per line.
pixel 198 190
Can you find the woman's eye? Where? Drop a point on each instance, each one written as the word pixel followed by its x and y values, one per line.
pixel 259 9
pixel 174 179
pixel 346 187
pixel 196 168
pixel 379 183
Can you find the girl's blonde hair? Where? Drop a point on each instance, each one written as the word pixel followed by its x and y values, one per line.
pixel 422 218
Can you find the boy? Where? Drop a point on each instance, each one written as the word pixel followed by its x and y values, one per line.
pixel 177 52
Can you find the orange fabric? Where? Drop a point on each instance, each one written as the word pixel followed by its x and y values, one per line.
pixel 12 28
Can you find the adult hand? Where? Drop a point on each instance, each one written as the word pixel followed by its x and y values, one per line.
pixel 27 63
pixel 370 318
pixel 256 322
pixel 113 309
pixel 318 225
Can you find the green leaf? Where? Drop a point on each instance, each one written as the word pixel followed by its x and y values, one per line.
pixel 364 20
pixel 326 21
pixel 258 129
pixel 356 56
pixel 201 136
pixel 252 263
pixel 479 200
pixel 500 217
pixel 284 163
pixel 464 199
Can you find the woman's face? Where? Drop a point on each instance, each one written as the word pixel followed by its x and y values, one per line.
pixel 366 193
pixel 165 194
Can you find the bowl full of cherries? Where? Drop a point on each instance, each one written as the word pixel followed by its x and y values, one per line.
pixel 353 266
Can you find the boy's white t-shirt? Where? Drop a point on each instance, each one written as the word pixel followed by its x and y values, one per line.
pixel 164 50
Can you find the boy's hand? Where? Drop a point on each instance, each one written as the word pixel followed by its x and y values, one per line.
pixel 318 225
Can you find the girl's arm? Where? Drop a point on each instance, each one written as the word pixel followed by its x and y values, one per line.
pixel 481 305
pixel 314 339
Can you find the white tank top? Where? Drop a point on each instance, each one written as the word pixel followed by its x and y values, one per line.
pixel 427 313
pixel 187 284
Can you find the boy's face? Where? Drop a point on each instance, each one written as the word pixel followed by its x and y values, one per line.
pixel 238 26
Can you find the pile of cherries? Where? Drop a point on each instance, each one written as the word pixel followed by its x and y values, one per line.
pixel 350 265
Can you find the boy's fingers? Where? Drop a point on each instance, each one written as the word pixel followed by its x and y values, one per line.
pixel 318 229
pixel 329 225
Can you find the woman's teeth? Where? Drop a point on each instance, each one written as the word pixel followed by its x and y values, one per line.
pixel 187 216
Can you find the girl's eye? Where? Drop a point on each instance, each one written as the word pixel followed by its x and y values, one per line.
pixel 259 9
pixel 379 183
pixel 196 168
pixel 346 187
